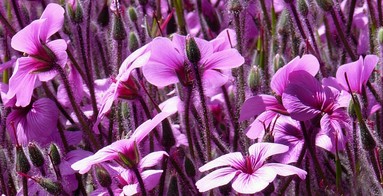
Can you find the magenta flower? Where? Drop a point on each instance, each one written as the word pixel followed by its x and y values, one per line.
pixel 43 54
pixel 36 122
pixel 169 63
pixel 249 174
pixel 126 147
pixel 305 98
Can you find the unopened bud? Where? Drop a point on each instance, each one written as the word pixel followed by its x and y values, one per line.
pixel 189 167
pixel 22 163
pixel 35 155
pixel 132 14
pixel 192 51
pixel 133 42
pixel 326 5
pixel 283 25
pixel 254 79
pixel 55 155
pixel 380 36
pixel 103 17
pixel 302 7
pixel 235 6
pixel 173 187
pixel 103 176
pixel 75 11
pixel 278 62
pixel 52 187
pixel 119 32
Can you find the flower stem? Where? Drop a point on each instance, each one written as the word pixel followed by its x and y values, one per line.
pixel 187 121
pixel 140 181
pixel 11 31
pixel 25 185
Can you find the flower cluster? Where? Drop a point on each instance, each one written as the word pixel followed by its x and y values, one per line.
pixel 203 97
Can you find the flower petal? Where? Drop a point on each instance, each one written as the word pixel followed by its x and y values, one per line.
pixel 27 40
pixel 286 170
pixel 54 20
pixel 264 150
pixel 353 71
pixel 250 184
pixel 215 179
pixel 230 159
pixel 152 159
pixel 225 59
pixel 258 104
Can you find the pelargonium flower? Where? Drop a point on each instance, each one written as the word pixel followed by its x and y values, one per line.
pixel 43 55
pixel 37 122
pixel 249 174
pixel 125 147
pixel 305 98
pixel 169 63
pixel 267 107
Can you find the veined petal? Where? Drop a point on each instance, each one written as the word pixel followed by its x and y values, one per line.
pixel 27 40
pixel 252 183
pixel 353 71
pixel 286 170
pixel 216 178
pixel 42 118
pixel 370 61
pixel 264 150
pixel 225 59
pixel 54 20
pixel 152 159
pixel 230 159
pixel 257 127
pixel 258 104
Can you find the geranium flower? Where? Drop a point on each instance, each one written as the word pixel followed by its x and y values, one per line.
pixel 43 54
pixel 250 174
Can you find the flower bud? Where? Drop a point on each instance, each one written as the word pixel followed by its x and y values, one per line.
pixel 35 155
pixel 254 79
pixel 55 155
pixel 189 167
pixel 283 25
pixel 103 17
pixel 75 11
pixel 54 188
pixel 103 176
pixel 235 6
pixel 326 5
pixel 22 163
pixel 133 42
pixel 380 36
pixel 119 32
pixel 173 186
pixel 302 7
pixel 132 14
pixel 192 50
pixel 278 62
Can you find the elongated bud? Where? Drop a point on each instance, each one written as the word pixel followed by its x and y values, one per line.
pixel 278 62
pixel 103 16
pixel 52 187
pixel 22 163
pixel 302 7
pixel 119 32
pixel 133 42
pixel 173 187
pixel 235 6
pixel 326 5
pixel 380 36
pixel 283 25
pixel 192 50
pixel 254 79
pixel 103 176
pixel 35 155
pixel 189 167
pixel 55 155
pixel 75 11
pixel 132 14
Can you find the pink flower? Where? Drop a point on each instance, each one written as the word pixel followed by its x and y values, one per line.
pixel 36 122
pixel 43 55
pixel 249 174
pixel 125 147
pixel 169 63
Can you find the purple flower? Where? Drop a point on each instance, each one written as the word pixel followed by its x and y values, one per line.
pixel 36 122
pixel 169 63
pixel 125 147
pixel 249 174
pixel 305 98
pixel 43 54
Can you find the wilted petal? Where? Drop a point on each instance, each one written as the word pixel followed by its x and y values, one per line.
pixel 216 178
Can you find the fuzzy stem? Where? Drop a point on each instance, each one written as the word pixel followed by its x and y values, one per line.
pixel 266 15
pixel 342 36
pixel 80 115
pixel 187 120
pixel 183 176
pixel 16 8
pixel 140 181
pixel 11 31
pixel 204 110
pixel 163 176
pixel 25 185
pixel 350 16
pixel 62 136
